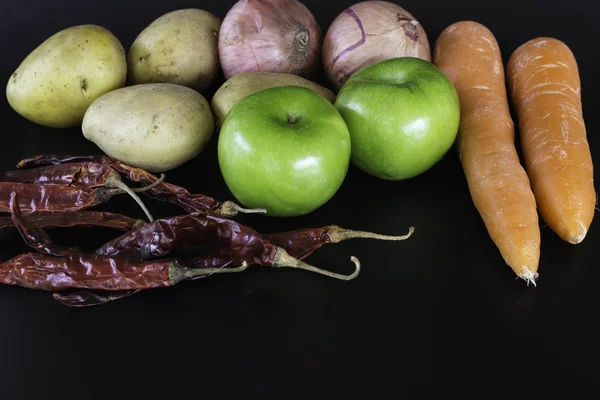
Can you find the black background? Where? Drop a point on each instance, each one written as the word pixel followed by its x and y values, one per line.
pixel 440 313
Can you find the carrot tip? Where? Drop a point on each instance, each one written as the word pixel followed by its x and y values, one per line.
pixel 578 238
pixel 529 276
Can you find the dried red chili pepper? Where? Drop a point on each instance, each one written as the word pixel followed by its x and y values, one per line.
pixel 58 268
pixel 302 243
pixel 163 192
pixel 53 198
pixel 92 271
pixel 87 298
pixel 299 244
pixel 57 198
pixel 85 174
pixel 78 219
pixel 168 235
pixel 232 239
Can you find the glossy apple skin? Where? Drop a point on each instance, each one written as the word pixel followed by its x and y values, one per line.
pixel 290 169
pixel 403 116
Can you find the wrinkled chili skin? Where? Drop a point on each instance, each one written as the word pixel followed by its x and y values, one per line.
pixel 51 198
pixel 164 236
pixel 33 235
pixel 161 237
pixel 78 219
pixel 88 298
pixel 83 271
pixel 53 159
pixel 163 192
pixel 58 268
pixel 84 174
pixel 205 261
pixel 300 243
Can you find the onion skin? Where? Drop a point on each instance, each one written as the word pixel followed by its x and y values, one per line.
pixel 367 33
pixel 270 36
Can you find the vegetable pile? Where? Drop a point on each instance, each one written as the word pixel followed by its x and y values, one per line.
pixel 394 109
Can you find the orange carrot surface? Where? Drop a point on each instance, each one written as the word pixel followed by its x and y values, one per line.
pixel 468 53
pixel 543 78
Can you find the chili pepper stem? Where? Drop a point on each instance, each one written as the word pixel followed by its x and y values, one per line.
pixel 178 273
pixel 151 186
pixel 283 260
pixel 230 209
pixel 115 182
pixel 337 234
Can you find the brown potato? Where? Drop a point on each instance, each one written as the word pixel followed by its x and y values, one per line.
pixel 180 47
pixel 154 126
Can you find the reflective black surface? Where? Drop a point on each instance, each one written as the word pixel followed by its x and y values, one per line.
pixel 438 314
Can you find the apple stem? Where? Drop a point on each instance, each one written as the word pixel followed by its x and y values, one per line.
pixel 291 119
pixel 283 260
pixel 230 209
pixel 337 234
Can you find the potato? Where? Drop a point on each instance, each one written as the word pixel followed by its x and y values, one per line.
pixel 57 82
pixel 241 85
pixel 155 126
pixel 180 47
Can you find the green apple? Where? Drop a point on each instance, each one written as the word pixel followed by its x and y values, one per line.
pixel 285 149
pixel 402 114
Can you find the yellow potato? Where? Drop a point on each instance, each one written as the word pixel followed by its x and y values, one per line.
pixel 155 126
pixel 180 47
pixel 241 85
pixel 56 82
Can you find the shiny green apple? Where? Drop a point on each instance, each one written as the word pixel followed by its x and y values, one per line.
pixel 285 149
pixel 403 116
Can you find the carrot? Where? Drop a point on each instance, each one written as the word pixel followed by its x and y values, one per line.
pixel 543 78
pixel 468 53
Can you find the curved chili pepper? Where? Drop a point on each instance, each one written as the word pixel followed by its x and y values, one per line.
pixel 302 243
pixel 57 198
pixel 84 174
pixel 45 272
pixel 163 192
pixel 92 271
pixel 53 198
pixel 299 243
pixel 78 219
pixel 57 268
pixel 169 235
pixel 37 238
pixel 87 298
pixel 232 239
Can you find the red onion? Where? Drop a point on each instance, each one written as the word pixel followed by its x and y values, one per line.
pixel 269 36
pixel 367 33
